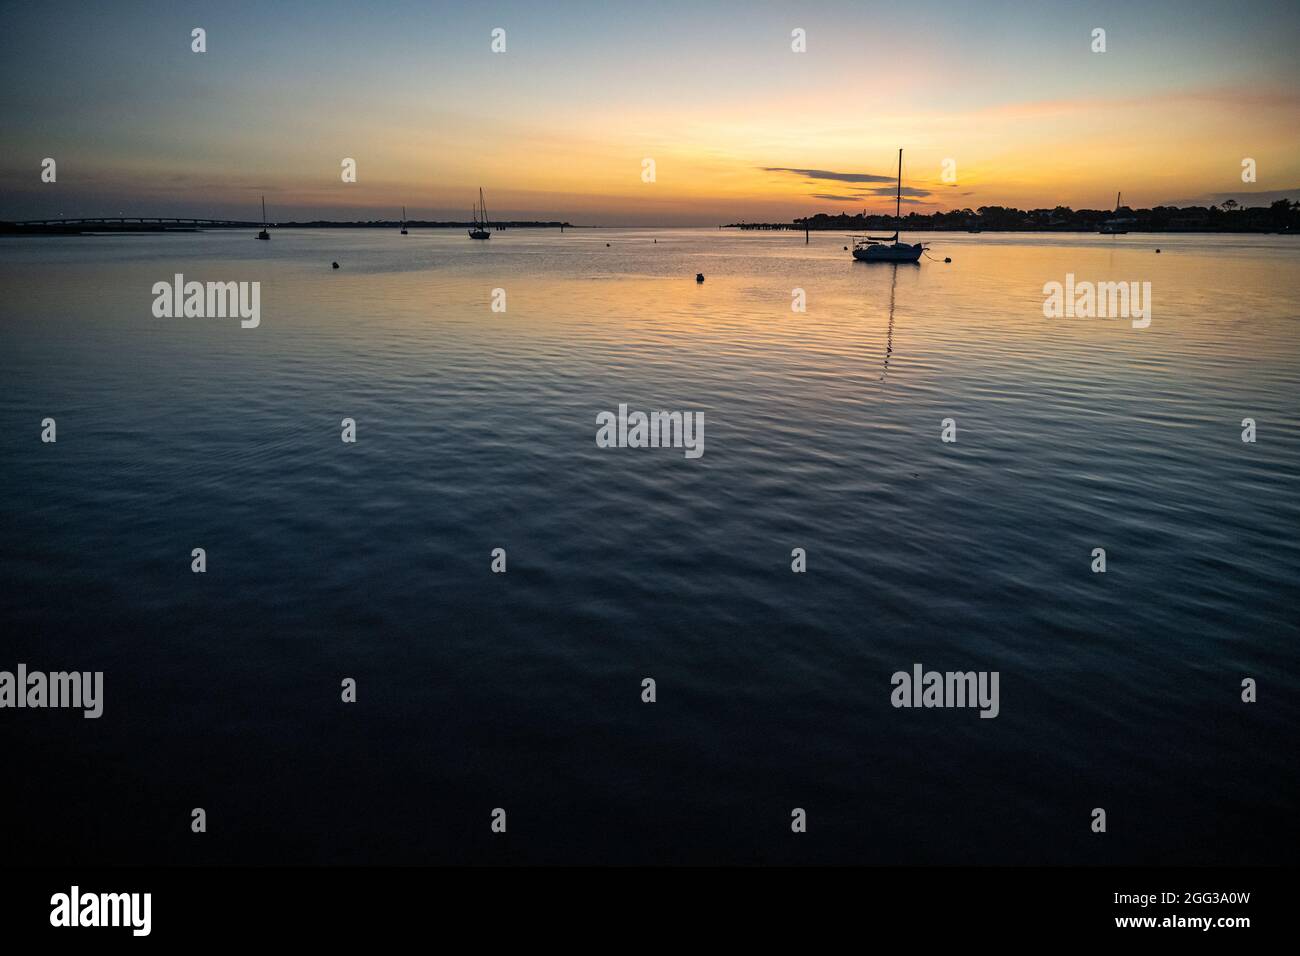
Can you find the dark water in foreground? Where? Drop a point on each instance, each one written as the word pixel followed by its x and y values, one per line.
pixel 822 431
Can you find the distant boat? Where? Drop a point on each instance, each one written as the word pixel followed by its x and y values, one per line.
pixel 403 220
pixel 264 234
pixel 1116 226
pixel 888 248
pixel 480 230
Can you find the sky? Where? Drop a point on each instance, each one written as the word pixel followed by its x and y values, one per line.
pixel 559 126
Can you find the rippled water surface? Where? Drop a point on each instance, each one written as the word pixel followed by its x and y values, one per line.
pixel 822 431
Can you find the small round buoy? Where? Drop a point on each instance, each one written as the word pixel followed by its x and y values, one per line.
pixel 699 277
pixel 1157 252
pixel 607 245
pixel 946 259
pixel 336 265
pixel 846 248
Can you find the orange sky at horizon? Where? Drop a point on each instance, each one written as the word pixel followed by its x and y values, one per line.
pixel 1034 154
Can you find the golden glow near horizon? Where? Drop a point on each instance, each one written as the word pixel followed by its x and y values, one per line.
pixel 1033 155
pixel 739 125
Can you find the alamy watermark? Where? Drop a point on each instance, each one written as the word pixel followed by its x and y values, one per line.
pixel 656 430
pixel 1101 300
pixel 75 908
pixel 949 689
pixel 210 300
pixel 36 689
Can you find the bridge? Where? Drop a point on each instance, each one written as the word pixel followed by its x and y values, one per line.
pixel 80 226
pixel 122 224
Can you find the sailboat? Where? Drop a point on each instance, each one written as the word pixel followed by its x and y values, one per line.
pixel 403 220
pixel 1116 226
pixel 480 230
pixel 264 234
pixel 888 248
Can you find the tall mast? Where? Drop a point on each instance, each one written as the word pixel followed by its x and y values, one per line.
pixel 483 206
pixel 898 199
pixel 264 210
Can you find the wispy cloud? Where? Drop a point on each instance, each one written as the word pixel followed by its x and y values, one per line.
pixel 827 174
pixel 889 191
pixel 862 198
pixel 1261 198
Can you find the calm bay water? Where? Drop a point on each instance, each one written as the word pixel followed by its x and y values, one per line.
pixel 822 431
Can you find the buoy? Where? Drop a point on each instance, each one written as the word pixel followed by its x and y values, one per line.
pixel 699 277
pixel 1157 252
pixel 336 265
pixel 846 248
pixel 946 259
pixel 607 245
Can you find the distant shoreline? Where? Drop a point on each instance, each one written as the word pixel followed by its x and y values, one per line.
pixel 155 224
pixel 419 224
pixel 1218 230
pixel 154 227
pixel 1008 229
pixel 1281 216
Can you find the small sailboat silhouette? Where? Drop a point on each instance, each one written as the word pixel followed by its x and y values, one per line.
pixel 888 248
pixel 403 220
pixel 264 234
pixel 480 230
pixel 1117 226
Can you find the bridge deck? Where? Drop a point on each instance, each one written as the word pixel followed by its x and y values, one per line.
pixel 105 220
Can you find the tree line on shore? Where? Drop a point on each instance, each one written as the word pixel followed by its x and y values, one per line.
pixel 1228 216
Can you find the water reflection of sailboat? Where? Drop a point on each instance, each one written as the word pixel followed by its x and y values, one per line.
pixel 889 334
